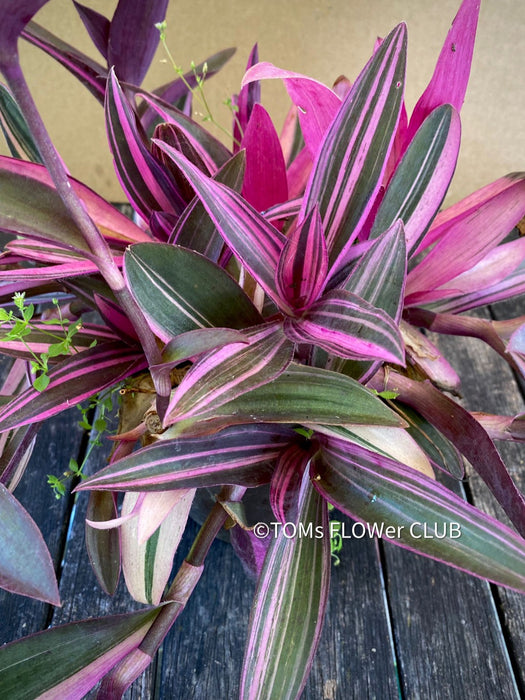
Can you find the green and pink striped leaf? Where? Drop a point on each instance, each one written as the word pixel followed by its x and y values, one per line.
pixel 254 240
pixel 351 161
pixel 240 455
pixel 26 566
pixel 30 205
pixel 76 378
pixel 179 290
pixel 420 181
pixel 90 73
pixel 381 492
pixel 244 102
pixel 285 486
pixel 303 394
pixel 466 434
pixel 348 326
pixel 147 183
pixel 288 610
pixel 68 661
pixel 231 371
pixel 303 263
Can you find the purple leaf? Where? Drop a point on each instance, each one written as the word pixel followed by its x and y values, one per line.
pixel 14 16
pixel 467 240
pixel 349 167
pixel 317 104
pixel 250 549
pixel 449 81
pixel 347 326
pixel 26 567
pixel 73 380
pixel 133 37
pixel 50 272
pixel 403 505
pixel 467 435
pixel 90 73
pixel 303 264
pixel 265 181
pixel 256 242
pixel 239 455
pixel 146 182
pixel 249 96
pixel 229 372
pixel 97 27
pixel 289 606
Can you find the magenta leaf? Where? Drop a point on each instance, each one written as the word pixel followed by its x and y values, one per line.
pixel 14 16
pixel 97 27
pixel 449 81
pixel 288 610
pixel 419 184
pixel 145 180
pixel 231 371
pixel 249 96
pixel 72 381
pixel 380 493
pixel 265 181
pixel 26 567
pixel 317 104
pixel 240 455
pixel 67 661
pixel 90 73
pixel 464 243
pixel 303 264
pixel 347 326
pixel 351 161
pixel 256 242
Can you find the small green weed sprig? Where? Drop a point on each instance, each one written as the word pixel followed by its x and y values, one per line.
pixel 198 90
pixel 100 406
pixel 23 326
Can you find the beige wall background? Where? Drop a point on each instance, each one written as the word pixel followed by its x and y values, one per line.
pixel 322 38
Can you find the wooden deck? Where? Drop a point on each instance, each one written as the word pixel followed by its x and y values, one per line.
pixel 398 625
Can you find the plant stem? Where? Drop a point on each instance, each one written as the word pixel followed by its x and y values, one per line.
pixel 130 668
pixel 96 242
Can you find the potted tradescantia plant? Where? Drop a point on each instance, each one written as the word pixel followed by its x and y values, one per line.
pixel 272 295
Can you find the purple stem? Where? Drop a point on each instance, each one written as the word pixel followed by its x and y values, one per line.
pixel 96 242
